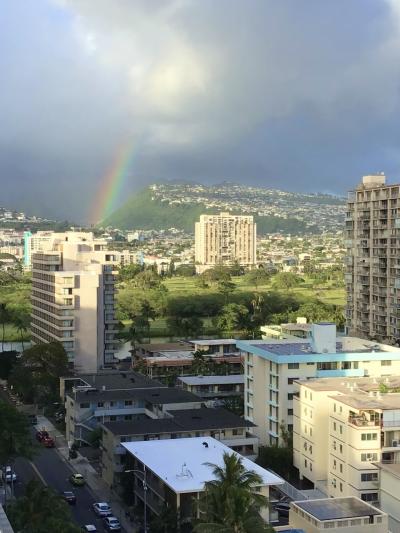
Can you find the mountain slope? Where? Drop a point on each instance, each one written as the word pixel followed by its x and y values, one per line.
pixel 145 211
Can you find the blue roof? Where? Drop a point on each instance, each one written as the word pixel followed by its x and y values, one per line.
pixel 301 352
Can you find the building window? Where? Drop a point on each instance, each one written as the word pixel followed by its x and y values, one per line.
pixel 290 380
pixel 341 468
pixel 334 426
pixel 369 436
pixel 100 404
pixel 290 412
pixel 305 463
pixel 370 476
pixel 368 457
pixel 113 418
pixel 85 405
pixel 290 396
pixel 386 363
pixel 341 487
pixel 128 402
pixel 369 497
pixel 293 366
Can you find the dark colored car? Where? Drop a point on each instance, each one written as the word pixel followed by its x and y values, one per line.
pixel 40 435
pixel 32 419
pixel 69 497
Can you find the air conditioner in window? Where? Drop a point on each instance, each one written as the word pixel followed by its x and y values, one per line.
pixel 395 443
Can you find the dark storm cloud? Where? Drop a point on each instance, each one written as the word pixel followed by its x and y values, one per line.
pixel 300 94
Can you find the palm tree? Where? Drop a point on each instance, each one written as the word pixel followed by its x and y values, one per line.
pixel 21 322
pixel 4 317
pixel 231 503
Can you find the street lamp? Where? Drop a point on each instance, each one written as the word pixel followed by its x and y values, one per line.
pixel 143 473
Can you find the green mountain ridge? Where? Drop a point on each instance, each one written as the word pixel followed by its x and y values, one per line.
pixel 141 211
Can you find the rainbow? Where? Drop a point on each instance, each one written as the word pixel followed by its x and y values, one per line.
pixel 111 185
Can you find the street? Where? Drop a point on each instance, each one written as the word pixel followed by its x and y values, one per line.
pixel 50 468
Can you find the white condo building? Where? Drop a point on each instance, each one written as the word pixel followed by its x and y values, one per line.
pixel 73 290
pixel 225 239
pixel 272 366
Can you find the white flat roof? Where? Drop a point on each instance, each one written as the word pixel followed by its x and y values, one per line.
pixel 180 463
pixel 212 380
pixel 212 342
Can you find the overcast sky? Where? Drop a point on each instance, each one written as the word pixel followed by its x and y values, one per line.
pixel 295 94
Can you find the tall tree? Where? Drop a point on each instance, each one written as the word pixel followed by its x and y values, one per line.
pixel 40 510
pixel 231 503
pixel 4 318
pixel 15 438
pixel 40 369
pixel 21 321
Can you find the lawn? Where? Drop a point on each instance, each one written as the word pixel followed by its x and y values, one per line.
pixel 327 294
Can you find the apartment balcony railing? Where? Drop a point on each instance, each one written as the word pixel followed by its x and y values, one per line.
pixel 362 422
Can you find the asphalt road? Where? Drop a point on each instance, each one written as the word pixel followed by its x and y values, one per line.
pixel 48 467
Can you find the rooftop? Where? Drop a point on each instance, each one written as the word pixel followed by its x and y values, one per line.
pixel 212 342
pixel 160 395
pixel 164 347
pixel 115 380
pixel 361 400
pixel 392 468
pixel 181 420
pixel 344 385
pixel 301 350
pixel 337 508
pixel 186 469
pixel 211 380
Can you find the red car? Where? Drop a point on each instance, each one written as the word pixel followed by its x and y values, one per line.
pixel 48 442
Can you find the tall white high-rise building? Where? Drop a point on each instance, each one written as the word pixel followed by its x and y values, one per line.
pixel 225 239
pixel 73 286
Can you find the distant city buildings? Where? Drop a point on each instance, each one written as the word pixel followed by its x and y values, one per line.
pixel 373 259
pixel 225 239
pixel 73 287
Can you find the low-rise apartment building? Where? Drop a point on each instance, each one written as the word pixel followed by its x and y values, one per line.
pixel 389 493
pixel 300 329
pixel 348 515
pixel 107 400
pixel 342 428
pixel 179 481
pixel 213 387
pixel 161 360
pixel 219 423
pixel 272 367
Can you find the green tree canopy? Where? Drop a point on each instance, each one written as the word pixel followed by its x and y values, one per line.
pixel 286 280
pixel 185 326
pixel 36 376
pixel 230 503
pixel 15 438
pixel 40 510
pixel 233 317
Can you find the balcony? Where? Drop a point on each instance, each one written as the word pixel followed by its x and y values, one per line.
pixel 361 422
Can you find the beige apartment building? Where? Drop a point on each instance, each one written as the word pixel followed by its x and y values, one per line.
pixel 223 240
pixel 342 428
pixel 373 260
pixel 73 290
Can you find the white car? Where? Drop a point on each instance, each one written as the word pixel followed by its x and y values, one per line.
pixel 102 509
pixel 89 527
pixel 9 475
pixel 112 524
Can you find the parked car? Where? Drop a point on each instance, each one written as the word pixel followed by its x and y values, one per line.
pixel 48 442
pixel 77 479
pixel 102 509
pixel 90 528
pixel 111 523
pixel 33 420
pixel 9 475
pixel 42 434
pixel 282 508
pixel 69 497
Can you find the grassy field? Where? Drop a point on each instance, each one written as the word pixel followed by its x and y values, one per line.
pixel 327 294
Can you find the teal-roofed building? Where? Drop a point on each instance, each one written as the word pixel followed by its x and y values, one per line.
pixel 271 366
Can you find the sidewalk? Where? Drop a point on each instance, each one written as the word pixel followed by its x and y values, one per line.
pixel 81 465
